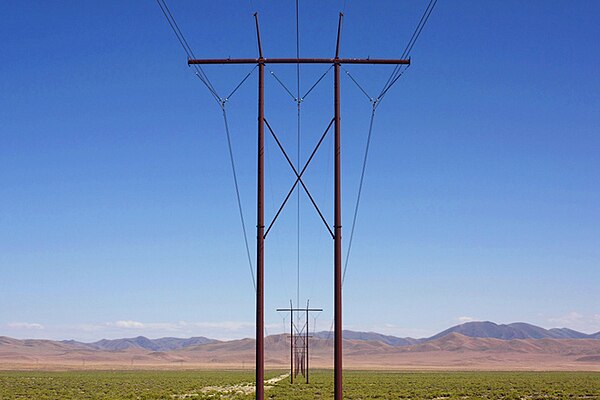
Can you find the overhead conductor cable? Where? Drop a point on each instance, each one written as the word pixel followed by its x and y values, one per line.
pixel 204 79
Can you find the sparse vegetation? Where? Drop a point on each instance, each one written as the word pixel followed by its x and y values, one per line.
pixel 148 385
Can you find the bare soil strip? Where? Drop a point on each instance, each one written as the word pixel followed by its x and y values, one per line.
pixel 231 390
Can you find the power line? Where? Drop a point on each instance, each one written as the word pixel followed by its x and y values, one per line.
pixel 374 104
pixel 191 52
pixel 298 46
pixel 396 74
pixel 432 4
pixel 186 47
pixel 405 54
pixel 393 78
pixel 382 95
pixel 238 197
pixel 206 81
pixel 234 172
pixel 360 187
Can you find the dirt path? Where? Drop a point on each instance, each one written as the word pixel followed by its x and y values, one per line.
pixel 232 390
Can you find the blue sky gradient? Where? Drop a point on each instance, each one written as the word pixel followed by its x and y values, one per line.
pixel 118 214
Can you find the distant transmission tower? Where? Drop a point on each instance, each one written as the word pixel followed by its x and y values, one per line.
pixel 299 342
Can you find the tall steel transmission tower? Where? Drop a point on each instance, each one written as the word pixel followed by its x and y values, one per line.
pixel 336 232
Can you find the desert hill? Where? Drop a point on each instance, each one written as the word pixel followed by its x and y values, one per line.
pixel 518 330
pixel 141 342
pixel 371 336
pixel 473 345
pixel 475 329
pixel 452 351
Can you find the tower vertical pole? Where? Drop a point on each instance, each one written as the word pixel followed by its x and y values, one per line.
pixel 291 342
pixel 306 341
pixel 338 228
pixel 260 228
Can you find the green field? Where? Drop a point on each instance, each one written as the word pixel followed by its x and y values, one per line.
pixel 358 385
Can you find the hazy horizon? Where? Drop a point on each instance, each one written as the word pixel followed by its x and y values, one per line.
pixel 132 329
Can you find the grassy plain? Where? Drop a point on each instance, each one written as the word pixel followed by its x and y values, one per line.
pixel 358 385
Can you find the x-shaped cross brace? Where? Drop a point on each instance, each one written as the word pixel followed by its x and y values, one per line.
pixel 299 178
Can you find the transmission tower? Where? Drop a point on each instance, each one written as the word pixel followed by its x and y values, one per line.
pixel 299 342
pixel 336 232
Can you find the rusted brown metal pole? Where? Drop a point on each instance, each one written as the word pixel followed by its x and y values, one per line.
pixel 306 342
pixel 291 342
pixel 260 228
pixel 260 248
pixel 337 353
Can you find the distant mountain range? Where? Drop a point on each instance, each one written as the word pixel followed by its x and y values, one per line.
pixel 141 342
pixel 370 336
pixel 517 330
pixel 479 329
pixel 476 329
pixel 474 345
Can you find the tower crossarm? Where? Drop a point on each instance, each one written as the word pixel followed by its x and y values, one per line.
pixel 206 61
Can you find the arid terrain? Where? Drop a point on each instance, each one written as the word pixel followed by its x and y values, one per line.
pixel 453 351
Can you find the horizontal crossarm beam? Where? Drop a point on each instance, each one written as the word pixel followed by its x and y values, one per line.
pixel 194 61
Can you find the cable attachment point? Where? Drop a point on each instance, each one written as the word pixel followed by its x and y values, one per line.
pixel 375 103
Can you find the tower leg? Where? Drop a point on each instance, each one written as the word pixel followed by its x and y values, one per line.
pixel 337 246
pixel 260 227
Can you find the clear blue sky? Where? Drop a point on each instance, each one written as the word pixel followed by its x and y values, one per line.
pixel 117 208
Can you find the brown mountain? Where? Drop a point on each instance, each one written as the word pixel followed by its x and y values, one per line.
pixel 452 351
